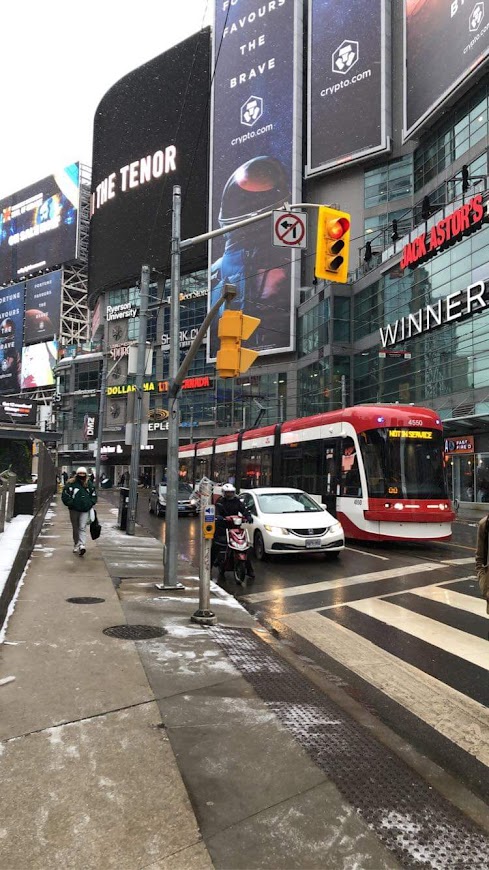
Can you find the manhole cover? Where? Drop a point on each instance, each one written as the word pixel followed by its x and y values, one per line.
pixel 134 632
pixel 85 600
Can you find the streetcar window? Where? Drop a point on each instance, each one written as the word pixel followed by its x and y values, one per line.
pixel 302 466
pixel 350 473
pixel 256 468
pixel 404 466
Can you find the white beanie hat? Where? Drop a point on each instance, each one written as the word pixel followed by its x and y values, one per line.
pixel 81 470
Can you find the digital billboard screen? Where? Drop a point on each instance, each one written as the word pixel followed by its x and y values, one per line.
pixel 39 225
pixel 42 307
pixel 18 410
pixel 151 132
pixel 11 324
pixel 347 80
pixel 256 163
pixel 38 362
pixel 444 43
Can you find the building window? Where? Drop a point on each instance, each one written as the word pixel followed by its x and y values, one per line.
pixel 87 376
pixel 391 181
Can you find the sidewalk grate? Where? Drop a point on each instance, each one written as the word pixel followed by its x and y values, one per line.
pixel 85 600
pixel 135 632
pixel 413 821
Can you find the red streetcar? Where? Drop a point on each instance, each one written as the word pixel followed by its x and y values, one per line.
pixel 378 468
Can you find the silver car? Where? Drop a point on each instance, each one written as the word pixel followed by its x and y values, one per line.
pixel 188 503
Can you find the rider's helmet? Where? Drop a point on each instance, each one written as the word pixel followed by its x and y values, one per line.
pixel 228 490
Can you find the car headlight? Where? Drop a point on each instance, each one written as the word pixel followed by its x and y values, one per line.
pixel 193 501
pixel 335 529
pixel 276 530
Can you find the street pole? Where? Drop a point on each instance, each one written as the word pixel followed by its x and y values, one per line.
pixel 138 402
pixel 170 550
pixel 101 414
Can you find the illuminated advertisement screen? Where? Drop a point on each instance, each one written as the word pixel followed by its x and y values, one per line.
pixel 11 323
pixel 17 410
pixel 39 225
pixel 38 362
pixel 255 161
pixel 444 43
pixel 347 76
pixel 151 132
pixel 42 307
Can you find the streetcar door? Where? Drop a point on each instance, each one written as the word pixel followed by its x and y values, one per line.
pixel 332 465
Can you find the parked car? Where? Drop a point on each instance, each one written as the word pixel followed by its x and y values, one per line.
pixel 188 503
pixel 288 520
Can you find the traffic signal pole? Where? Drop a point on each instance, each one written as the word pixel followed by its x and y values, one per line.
pixel 177 374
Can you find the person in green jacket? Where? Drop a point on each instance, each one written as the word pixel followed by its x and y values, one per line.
pixel 79 496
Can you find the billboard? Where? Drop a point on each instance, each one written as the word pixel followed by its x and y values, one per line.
pixel 347 82
pixel 38 362
pixel 39 225
pixel 444 43
pixel 18 411
pixel 255 160
pixel 42 307
pixel 151 132
pixel 11 324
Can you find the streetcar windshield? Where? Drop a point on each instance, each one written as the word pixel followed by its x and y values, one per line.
pixel 404 463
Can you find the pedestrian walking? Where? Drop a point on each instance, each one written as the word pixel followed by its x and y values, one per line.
pixel 481 556
pixel 79 496
pixel 65 477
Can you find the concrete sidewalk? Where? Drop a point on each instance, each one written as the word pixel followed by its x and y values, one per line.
pixel 96 731
pixel 155 753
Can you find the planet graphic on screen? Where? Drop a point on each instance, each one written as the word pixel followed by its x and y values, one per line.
pixel 7 329
pixel 37 324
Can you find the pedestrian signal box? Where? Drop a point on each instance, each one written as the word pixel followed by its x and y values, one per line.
pixel 232 359
pixel 333 245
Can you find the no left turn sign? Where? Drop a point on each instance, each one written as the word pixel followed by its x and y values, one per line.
pixel 289 229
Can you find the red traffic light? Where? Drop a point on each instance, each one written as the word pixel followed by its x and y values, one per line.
pixel 338 227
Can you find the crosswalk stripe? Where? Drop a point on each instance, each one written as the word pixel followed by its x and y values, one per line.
pixel 453 599
pixel 326 585
pixel 456 716
pixel 451 640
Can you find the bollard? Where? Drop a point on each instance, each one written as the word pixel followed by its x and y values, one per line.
pixel 3 504
pixel 204 615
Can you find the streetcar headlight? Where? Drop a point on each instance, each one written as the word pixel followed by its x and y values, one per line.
pixel 398 506
pixel 276 530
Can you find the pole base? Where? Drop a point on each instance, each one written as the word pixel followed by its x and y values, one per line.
pixel 172 588
pixel 204 617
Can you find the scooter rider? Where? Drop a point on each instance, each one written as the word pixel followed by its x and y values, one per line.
pixel 228 505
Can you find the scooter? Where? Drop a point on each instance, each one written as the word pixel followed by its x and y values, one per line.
pixel 238 545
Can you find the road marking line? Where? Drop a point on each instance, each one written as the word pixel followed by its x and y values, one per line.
pixel 325 585
pixel 453 599
pixel 364 553
pixel 444 637
pixel 457 717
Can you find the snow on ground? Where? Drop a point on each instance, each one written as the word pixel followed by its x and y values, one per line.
pixel 10 541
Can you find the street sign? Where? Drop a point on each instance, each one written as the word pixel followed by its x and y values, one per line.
pixel 394 354
pixel 289 229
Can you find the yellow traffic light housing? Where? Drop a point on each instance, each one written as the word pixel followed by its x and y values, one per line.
pixel 333 244
pixel 232 359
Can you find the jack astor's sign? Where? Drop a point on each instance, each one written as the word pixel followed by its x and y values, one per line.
pixel 455 306
pixel 462 222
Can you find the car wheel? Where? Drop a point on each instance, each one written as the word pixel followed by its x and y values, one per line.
pixel 158 510
pixel 150 507
pixel 259 547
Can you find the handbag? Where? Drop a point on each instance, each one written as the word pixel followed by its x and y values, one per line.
pixel 95 527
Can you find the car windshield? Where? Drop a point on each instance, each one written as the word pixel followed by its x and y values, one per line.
pixel 287 503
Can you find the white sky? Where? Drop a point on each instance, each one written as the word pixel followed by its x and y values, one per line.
pixel 59 57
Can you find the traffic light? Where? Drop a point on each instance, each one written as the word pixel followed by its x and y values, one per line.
pixel 333 244
pixel 465 179
pixel 395 234
pixel 425 208
pixel 234 327
pixel 368 252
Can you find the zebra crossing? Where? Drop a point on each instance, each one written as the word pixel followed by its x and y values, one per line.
pixel 422 642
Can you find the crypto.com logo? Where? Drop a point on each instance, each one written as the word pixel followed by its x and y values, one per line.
pixel 476 17
pixel 251 111
pixel 345 56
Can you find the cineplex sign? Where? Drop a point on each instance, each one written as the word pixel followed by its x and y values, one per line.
pixel 450 229
pixel 454 307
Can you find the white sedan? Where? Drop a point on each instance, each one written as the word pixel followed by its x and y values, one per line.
pixel 287 520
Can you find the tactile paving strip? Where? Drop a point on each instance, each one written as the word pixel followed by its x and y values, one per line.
pixel 415 822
